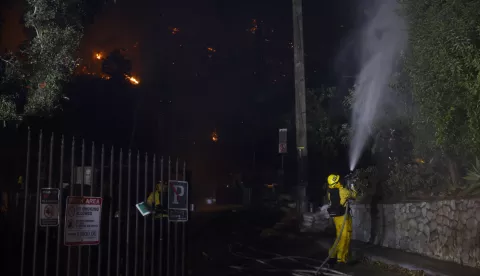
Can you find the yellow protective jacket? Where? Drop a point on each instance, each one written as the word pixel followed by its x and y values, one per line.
pixel 345 194
pixel 343 225
pixel 158 198
pixel 158 203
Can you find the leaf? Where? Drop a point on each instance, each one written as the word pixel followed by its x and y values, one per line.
pixel 471 178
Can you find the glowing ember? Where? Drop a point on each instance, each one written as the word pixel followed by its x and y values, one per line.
pixel 98 56
pixel 132 79
pixel 211 50
pixel 84 70
pixel 175 30
pixel 214 136
pixel 254 27
pixel 419 160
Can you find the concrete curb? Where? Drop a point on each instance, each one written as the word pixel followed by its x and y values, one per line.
pixel 410 267
pixel 359 253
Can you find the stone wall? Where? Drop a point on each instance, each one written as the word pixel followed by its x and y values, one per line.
pixel 448 230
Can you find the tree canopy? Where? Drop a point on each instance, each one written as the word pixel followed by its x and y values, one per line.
pixel 439 84
pixel 32 78
pixel 443 64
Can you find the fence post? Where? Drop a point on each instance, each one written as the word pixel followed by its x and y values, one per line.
pixel 129 202
pixel 82 183
pixel 137 193
pixel 27 177
pixel 184 225
pixel 168 219
pixel 175 246
pixel 40 143
pixel 119 222
pixel 160 255
pixel 100 193
pixel 145 218
pixel 60 211
pixel 152 260
pixel 110 215
pixel 92 184
pixel 47 234
pixel 72 164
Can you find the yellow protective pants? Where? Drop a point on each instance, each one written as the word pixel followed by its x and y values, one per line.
pixel 343 246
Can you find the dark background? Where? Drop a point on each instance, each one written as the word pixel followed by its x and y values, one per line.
pixel 243 90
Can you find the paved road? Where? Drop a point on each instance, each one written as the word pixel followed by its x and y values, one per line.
pixel 228 239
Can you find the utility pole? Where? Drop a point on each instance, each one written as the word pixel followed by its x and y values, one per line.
pixel 300 106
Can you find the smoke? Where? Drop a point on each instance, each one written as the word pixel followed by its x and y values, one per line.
pixel 380 42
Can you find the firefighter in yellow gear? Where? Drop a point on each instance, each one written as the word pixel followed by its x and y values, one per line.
pixel 338 195
pixel 154 200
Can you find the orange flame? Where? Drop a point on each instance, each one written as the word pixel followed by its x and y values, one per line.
pixel 254 27
pixel 214 136
pixel 99 56
pixel 175 30
pixel 132 79
pixel 83 70
pixel 211 50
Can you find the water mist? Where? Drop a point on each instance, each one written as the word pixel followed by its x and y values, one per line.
pixel 380 42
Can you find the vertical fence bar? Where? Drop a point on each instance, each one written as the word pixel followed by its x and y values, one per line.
pixel 184 224
pixel 175 244
pixel 40 144
pixel 100 193
pixel 82 183
pixel 160 252
pixel 92 184
pixel 129 204
pixel 25 194
pixel 137 194
pixel 72 164
pixel 119 222
pixel 152 255
pixel 176 169
pixel 60 210
pixel 47 232
pixel 168 221
pixel 145 218
pixel 110 215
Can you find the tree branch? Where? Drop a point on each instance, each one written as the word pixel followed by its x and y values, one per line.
pixel 7 61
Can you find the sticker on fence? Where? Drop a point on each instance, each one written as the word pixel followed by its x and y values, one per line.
pixel 82 220
pixel 49 206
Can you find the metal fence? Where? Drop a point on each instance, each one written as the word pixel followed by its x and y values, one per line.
pixel 130 244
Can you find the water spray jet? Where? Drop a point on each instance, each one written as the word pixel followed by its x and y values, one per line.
pixel 381 40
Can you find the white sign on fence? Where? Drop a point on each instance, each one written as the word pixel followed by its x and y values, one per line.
pixel 49 206
pixel 82 220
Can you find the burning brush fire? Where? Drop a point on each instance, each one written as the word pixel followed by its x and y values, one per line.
pixel 95 70
pixel 132 79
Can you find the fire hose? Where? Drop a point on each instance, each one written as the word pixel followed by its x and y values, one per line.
pixel 316 271
pixel 333 249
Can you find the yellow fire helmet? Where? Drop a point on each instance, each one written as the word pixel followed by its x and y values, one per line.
pixel 333 179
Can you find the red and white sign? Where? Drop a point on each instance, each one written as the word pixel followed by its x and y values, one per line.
pixel 82 220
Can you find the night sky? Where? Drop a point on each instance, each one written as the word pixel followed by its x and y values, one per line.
pixel 240 87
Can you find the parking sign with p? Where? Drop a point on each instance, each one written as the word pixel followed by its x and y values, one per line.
pixel 177 200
